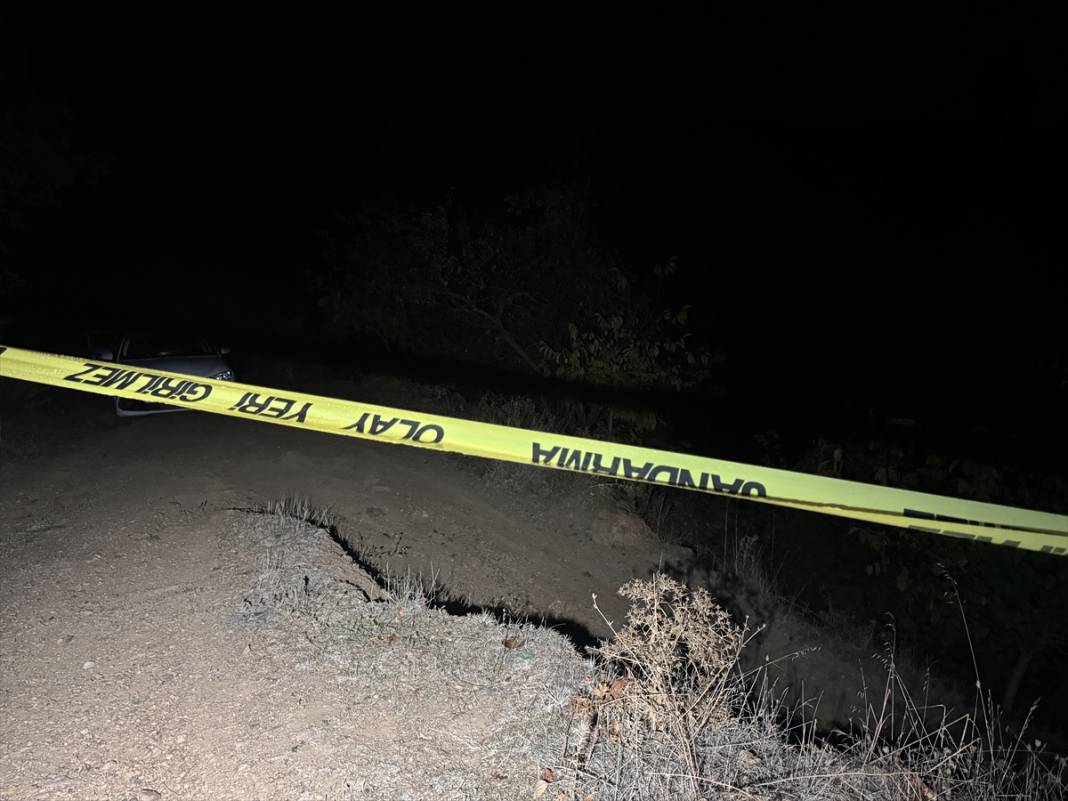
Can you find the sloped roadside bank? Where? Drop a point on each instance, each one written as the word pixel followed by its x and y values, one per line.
pixel 246 656
pixel 237 654
pixel 109 517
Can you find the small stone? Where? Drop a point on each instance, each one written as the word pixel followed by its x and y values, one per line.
pixel 748 760
pixel 89 666
pixel 148 794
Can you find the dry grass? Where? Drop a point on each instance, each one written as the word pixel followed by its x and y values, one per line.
pixel 668 715
pixel 664 713
pixel 672 663
pixel 475 699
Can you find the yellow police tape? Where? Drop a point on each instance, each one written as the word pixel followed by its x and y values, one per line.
pixel 1002 525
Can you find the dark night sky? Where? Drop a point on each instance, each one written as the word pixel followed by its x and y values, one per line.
pixel 876 218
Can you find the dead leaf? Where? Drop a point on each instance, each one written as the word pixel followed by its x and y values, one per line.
pixel 613 730
pixel 511 643
pixel 540 788
pixel 921 788
pixel 747 760
pixel 547 775
pixel 619 686
pixel 584 707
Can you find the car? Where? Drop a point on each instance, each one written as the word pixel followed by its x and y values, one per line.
pixel 194 356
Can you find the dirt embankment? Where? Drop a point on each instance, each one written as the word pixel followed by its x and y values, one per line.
pixel 160 635
pixel 157 638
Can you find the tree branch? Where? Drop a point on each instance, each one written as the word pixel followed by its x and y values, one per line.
pixel 496 322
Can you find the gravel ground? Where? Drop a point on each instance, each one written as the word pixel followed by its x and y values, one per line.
pixel 239 655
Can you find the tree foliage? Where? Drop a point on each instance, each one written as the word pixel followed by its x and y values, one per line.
pixel 528 287
pixel 40 162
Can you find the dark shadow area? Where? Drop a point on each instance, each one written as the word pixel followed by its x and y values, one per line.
pixel 438 597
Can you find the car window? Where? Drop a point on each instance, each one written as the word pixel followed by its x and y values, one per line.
pixel 150 347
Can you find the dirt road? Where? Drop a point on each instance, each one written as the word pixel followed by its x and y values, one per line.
pixel 120 576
